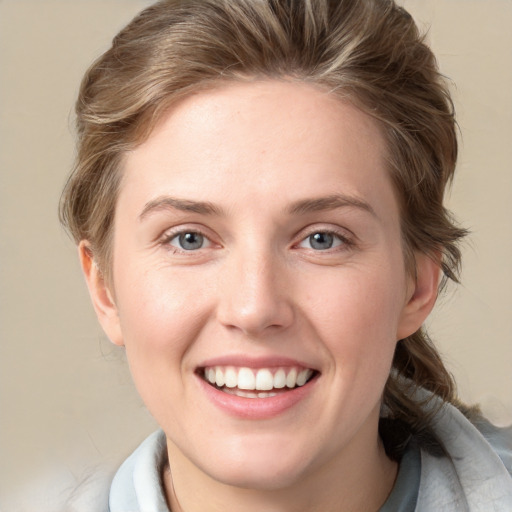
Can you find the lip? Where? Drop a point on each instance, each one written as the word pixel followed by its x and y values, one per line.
pixel 255 408
pixel 255 362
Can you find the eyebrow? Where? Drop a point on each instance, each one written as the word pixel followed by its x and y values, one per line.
pixel 300 207
pixel 184 205
pixel 330 202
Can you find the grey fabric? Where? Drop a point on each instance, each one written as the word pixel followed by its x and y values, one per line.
pixel 474 478
pixel 404 496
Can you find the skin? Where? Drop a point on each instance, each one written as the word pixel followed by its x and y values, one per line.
pixel 258 288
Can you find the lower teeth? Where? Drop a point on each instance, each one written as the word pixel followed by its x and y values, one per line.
pixel 248 394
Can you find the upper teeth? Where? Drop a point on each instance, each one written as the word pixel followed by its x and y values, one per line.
pixel 262 379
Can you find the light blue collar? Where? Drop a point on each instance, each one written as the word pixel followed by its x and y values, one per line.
pixel 137 486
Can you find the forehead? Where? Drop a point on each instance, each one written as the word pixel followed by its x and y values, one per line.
pixel 258 138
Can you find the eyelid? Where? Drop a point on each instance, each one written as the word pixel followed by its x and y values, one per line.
pixel 348 239
pixel 337 241
pixel 206 241
pixel 176 231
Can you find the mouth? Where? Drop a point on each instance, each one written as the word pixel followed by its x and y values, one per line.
pixel 256 382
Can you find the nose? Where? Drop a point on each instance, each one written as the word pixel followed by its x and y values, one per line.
pixel 254 294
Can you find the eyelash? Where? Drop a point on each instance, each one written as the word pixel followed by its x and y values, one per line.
pixel 344 242
pixel 170 236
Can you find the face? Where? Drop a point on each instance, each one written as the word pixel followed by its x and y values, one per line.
pixel 258 281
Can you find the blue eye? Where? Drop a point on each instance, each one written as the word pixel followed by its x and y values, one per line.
pixel 189 241
pixel 322 241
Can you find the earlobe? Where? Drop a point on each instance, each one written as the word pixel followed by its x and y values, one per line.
pixel 101 296
pixel 421 297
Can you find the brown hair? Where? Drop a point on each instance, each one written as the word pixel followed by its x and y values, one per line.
pixel 367 51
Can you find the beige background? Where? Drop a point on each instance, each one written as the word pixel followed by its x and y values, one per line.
pixel 68 408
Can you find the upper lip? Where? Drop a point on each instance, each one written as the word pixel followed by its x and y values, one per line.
pixel 243 361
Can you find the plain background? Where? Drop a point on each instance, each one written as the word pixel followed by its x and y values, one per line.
pixel 68 408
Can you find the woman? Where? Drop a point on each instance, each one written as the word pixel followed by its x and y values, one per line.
pixel 258 204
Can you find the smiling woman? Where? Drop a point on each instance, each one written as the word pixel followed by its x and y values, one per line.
pixel 258 204
pixel 255 301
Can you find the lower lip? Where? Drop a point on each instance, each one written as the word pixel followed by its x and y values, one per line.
pixel 256 408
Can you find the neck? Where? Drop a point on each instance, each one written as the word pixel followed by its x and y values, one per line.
pixel 348 482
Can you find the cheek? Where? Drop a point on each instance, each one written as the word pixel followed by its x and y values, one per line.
pixel 156 305
pixel 358 315
pixel 159 316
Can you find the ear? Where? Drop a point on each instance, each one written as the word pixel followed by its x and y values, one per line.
pixel 421 296
pixel 102 298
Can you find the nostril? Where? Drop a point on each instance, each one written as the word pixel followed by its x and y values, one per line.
pixel 253 321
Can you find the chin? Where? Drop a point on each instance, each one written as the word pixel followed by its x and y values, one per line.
pixel 267 478
pixel 264 469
